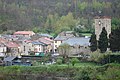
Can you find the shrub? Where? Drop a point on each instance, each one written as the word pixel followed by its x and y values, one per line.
pixel 74 61
pixel 59 61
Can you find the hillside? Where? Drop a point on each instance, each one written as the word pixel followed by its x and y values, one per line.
pixel 44 15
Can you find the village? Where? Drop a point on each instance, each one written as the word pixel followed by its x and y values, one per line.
pixel 25 47
pixel 27 43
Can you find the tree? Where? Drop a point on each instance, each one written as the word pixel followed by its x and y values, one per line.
pixel 65 23
pixel 93 43
pixel 115 40
pixel 64 51
pixel 59 61
pixel 36 30
pixel 103 41
pixel 74 61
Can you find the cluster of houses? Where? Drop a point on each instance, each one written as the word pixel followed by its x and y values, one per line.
pixel 23 43
pixel 26 43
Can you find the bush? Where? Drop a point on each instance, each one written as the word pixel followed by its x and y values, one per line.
pixel 74 61
pixel 98 57
pixel 59 61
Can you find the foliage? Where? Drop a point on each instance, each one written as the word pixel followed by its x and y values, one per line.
pixel 36 30
pixel 74 61
pixel 96 56
pixel 111 72
pixel 64 50
pixel 115 23
pixel 115 40
pixel 93 43
pixel 59 61
pixel 51 16
pixel 103 41
pixel 105 72
pixel 65 23
pixel 105 58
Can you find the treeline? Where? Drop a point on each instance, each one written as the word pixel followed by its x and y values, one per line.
pixel 52 15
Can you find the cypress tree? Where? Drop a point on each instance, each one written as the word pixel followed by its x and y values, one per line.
pixel 115 40
pixel 93 43
pixel 103 41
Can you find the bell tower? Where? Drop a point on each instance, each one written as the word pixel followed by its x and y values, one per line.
pixel 101 22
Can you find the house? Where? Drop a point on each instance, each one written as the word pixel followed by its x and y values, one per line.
pixel 38 46
pixel 46 35
pixel 12 60
pixel 12 48
pixel 62 37
pixel 2 54
pixel 24 33
pixel 2 40
pixel 26 47
pixel 49 43
pixel 78 45
pixel 9 60
pixel 9 37
pixel 3 48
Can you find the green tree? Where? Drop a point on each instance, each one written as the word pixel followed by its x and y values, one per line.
pixel 59 61
pixel 103 41
pixel 115 40
pixel 93 43
pixel 74 61
pixel 65 23
pixel 64 51
pixel 36 30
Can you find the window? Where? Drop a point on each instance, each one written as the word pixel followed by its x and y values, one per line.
pixel 99 22
pixel 56 46
pixel 79 46
pixel 39 49
pixel 55 41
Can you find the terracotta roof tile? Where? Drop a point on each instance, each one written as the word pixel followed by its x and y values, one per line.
pixel 23 32
pixel 12 45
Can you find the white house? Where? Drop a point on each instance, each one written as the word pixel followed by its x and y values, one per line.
pixel 62 37
pixel 3 48
pixel 38 46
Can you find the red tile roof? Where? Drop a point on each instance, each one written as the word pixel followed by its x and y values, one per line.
pixel 24 33
pixel 2 40
pixel 45 40
pixel 12 45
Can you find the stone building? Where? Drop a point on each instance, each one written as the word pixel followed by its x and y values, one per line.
pixel 101 22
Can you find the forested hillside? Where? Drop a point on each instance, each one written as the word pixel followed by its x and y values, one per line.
pixel 54 15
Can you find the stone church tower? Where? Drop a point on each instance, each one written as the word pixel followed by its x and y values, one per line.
pixel 101 22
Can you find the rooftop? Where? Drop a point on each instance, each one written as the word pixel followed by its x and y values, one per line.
pixel 24 32
pixel 38 43
pixel 12 45
pixel 46 35
pixel 103 17
pixel 82 41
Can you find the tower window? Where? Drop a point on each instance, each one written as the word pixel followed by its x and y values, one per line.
pixel 99 22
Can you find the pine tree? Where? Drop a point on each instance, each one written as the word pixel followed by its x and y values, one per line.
pixel 115 40
pixel 93 43
pixel 103 41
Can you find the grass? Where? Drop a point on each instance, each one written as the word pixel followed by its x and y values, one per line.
pixel 86 34
pixel 78 65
